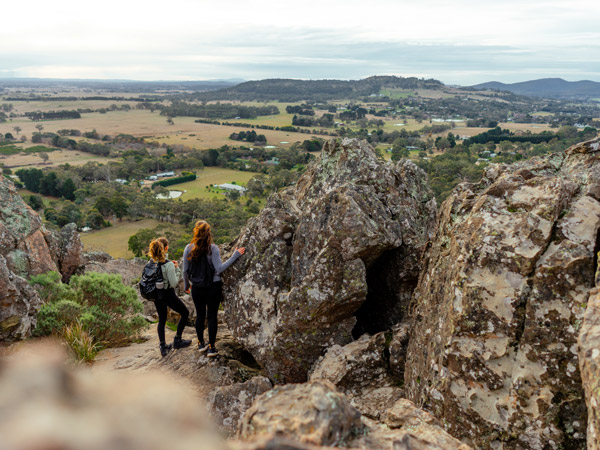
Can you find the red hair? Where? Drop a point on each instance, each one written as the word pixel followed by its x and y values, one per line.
pixel 202 240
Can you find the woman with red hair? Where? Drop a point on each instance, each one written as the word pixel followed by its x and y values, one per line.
pixel 202 268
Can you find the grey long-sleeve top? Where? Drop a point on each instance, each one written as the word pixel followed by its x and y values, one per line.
pixel 215 257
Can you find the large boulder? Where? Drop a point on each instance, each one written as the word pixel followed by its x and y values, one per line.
pixel 313 413
pixel 229 403
pixel 22 237
pixel 589 363
pixel 66 249
pixel 19 304
pixel 361 370
pixel 27 248
pixel 493 344
pixel 329 259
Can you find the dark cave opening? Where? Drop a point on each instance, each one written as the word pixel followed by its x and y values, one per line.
pixel 391 280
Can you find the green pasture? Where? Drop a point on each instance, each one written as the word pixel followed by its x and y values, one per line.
pixel 211 175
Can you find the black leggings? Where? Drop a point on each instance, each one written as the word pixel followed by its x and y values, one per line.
pixel 172 301
pixel 206 301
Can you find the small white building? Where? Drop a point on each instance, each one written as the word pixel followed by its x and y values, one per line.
pixel 231 187
pixel 165 174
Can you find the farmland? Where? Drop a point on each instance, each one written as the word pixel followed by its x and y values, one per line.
pixel 113 240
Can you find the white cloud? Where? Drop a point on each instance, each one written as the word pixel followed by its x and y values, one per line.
pixel 337 39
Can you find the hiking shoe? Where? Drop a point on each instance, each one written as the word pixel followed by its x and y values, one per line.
pixel 212 351
pixel 202 346
pixel 181 343
pixel 164 349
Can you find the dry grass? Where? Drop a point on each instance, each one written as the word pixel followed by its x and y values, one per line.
pixel 113 240
pixel 55 158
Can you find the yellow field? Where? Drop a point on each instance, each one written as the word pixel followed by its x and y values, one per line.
pixel 113 240
pixel 55 158
pixel 143 123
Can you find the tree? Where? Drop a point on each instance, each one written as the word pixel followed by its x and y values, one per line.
pixel 17 129
pixel 49 185
pixel 119 206
pixel 103 205
pixel 35 201
pixel 67 190
pixel 39 127
pixel 170 121
pixel 94 219
pixel 138 243
pixel 44 156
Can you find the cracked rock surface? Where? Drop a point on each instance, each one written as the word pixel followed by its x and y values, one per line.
pixel 500 302
pixel 336 255
pixel 27 248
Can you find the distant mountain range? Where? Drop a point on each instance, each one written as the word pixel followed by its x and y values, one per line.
pixel 118 85
pixel 547 87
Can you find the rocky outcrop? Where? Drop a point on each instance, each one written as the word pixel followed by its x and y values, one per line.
pixel 331 258
pixel 315 413
pixel 312 413
pixel 19 304
pixel 589 364
pixel 229 403
pixel 27 248
pixel 361 370
pixel 66 249
pixel 499 304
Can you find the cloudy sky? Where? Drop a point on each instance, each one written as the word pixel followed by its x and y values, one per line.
pixel 458 42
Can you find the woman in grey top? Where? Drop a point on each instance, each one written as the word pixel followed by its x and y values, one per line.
pixel 202 258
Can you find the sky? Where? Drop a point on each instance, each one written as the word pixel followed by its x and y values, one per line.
pixel 460 42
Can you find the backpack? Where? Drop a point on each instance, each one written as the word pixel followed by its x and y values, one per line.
pixel 152 283
pixel 201 271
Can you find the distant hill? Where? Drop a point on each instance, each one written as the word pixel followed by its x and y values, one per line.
pixel 322 90
pixel 117 85
pixel 548 87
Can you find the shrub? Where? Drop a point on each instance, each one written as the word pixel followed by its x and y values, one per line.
pixel 101 304
pixel 54 317
pixel 111 307
pixel 50 287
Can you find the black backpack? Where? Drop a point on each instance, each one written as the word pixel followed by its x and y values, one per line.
pixel 201 271
pixel 152 283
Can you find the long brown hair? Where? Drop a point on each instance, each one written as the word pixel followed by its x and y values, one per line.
pixel 157 251
pixel 202 240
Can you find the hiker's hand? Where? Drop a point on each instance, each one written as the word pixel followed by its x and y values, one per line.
pixel 176 263
pixel 187 291
pixel 241 250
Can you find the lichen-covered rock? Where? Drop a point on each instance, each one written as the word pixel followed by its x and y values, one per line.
pixel 229 403
pixel 358 365
pixel 589 364
pixel 361 370
pixel 493 346
pixel 23 252
pixel 335 256
pixel 313 413
pixel 48 404
pixel 19 304
pixel 398 347
pixel 66 249
pixel 406 427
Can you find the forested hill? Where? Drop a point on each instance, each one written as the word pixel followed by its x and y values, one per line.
pixel 548 87
pixel 290 90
